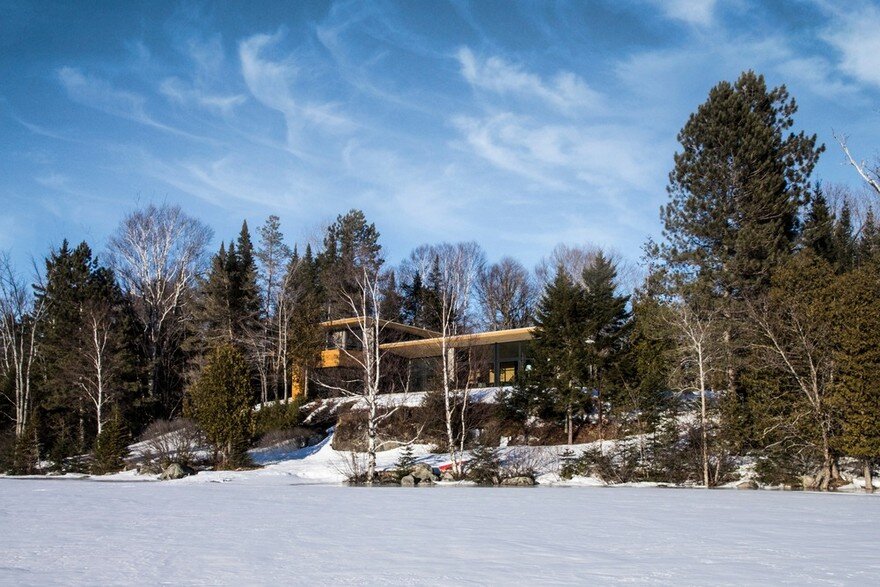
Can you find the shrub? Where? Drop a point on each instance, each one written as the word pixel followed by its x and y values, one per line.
pixel 176 441
pixel 525 462
pixel 278 416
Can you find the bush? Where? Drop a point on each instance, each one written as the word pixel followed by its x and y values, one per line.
pixel 298 437
pixel 525 462
pixel 176 441
pixel 278 416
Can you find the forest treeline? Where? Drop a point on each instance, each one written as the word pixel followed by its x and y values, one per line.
pixel 754 323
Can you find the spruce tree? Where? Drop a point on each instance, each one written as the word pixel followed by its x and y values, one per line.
pixel 818 232
pixel 844 242
pixel 559 346
pixel 607 322
pixel 111 447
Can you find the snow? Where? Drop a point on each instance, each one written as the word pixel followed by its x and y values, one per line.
pixel 329 406
pixel 257 531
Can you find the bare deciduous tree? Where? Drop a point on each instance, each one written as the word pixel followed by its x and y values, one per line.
pixel 20 316
pixel 458 266
pixel 157 252
pixel 696 333
pixel 507 293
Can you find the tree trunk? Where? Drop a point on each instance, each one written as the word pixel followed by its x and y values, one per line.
pixel 869 478
pixel 568 425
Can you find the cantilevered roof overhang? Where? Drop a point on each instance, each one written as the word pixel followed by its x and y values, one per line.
pixel 354 323
pixel 433 347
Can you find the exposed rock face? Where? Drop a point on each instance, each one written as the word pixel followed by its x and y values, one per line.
pixel 518 481
pixel 407 481
pixel 747 485
pixel 176 471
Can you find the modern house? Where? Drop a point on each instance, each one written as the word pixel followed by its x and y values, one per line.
pixel 413 354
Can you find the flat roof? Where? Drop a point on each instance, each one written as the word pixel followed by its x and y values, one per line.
pixel 353 322
pixel 433 347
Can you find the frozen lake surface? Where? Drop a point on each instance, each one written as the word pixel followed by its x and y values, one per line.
pixel 63 532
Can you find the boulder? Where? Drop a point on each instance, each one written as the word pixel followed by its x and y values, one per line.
pixel 750 484
pixel 408 481
pixel 423 472
pixel 176 471
pixel 447 476
pixel 518 481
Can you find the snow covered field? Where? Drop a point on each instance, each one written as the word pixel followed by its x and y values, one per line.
pixel 262 531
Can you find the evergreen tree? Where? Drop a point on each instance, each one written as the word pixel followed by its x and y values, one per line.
pixel 559 346
pixel 111 447
pixel 607 322
pixel 844 243
pixel 869 239
pixel 220 403
pixel 413 301
pixel 246 291
pixel 857 353
pixel 737 186
pixel 215 312
pixel 818 233
pixel 405 462
pixel 351 244
pixel 735 198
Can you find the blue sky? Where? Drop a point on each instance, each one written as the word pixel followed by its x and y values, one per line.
pixel 520 125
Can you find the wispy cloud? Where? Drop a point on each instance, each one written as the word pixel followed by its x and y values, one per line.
pixel 101 95
pixel 271 82
pixel 855 33
pixel 564 91
pixel 694 12
pixel 182 93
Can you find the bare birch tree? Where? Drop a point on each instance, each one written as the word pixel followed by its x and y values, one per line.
pixel 696 336
pixel 457 267
pixel 95 373
pixel 20 316
pixel 157 253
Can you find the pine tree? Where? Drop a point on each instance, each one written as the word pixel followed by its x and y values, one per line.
pixel 559 346
pixel 350 246
pixel 220 403
pixel 82 301
pixel 735 198
pixel 857 353
pixel 484 466
pixel 215 312
pixel 737 186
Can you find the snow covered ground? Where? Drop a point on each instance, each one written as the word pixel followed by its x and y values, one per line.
pixel 64 532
